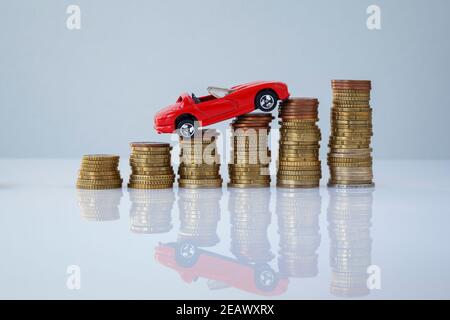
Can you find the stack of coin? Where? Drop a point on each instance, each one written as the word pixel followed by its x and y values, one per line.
pixel 250 218
pixel 200 161
pixel 298 225
pixel 349 222
pixel 250 155
pixel 298 160
pixel 150 166
pixel 99 171
pixel 199 216
pixel 151 210
pixel 349 158
pixel 99 205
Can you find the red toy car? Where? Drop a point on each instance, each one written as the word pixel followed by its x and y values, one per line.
pixel 192 262
pixel 221 104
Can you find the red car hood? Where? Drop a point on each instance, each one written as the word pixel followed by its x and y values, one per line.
pixel 167 110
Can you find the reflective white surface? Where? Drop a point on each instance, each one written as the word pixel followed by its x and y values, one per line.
pixel 237 243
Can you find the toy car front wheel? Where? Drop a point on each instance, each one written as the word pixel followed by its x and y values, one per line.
pixel 266 100
pixel 186 254
pixel 186 127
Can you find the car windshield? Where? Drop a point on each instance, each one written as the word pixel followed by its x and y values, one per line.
pixel 218 92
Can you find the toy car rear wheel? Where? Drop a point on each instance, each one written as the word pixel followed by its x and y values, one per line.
pixel 265 277
pixel 266 100
pixel 187 127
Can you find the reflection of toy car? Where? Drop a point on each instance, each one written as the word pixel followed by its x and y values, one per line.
pixel 221 104
pixel 191 263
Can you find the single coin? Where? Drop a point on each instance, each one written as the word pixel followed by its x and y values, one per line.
pixel 101 157
pixel 97 187
pixel 146 186
pixel 149 145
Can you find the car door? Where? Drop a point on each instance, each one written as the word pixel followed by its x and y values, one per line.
pixel 216 110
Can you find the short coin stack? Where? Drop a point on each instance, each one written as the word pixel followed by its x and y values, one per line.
pixel 298 161
pixel 99 171
pixel 349 157
pixel 250 155
pixel 199 161
pixel 151 210
pixel 150 166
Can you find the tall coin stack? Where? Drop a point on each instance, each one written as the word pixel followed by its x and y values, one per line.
pixel 199 161
pixel 99 171
pixel 349 156
pixel 298 225
pixel 150 166
pixel 250 155
pixel 298 161
pixel 151 210
pixel 349 222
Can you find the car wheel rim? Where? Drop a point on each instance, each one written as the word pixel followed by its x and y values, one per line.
pixel 266 278
pixel 187 251
pixel 187 130
pixel 267 101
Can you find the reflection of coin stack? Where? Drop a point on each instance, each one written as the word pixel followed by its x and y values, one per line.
pixel 298 222
pixel 250 217
pixel 199 215
pixel 150 166
pixel 298 162
pixel 349 157
pixel 151 210
pixel 250 155
pixel 99 205
pixel 99 171
pixel 199 161
pixel 349 215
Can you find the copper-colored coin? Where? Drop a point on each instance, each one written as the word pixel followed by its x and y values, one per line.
pixel 351 84
pixel 255 115
pixel 149 144
pixel 305 117
pixel 301 101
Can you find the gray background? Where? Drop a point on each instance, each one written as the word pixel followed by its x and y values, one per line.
pixel 64 93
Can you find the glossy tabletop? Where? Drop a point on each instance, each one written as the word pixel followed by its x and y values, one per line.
pixel 392 241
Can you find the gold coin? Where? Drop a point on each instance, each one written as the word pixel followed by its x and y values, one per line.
pixel 298 177
pixel 154 182
pixel 204 181
pixel 341 105
pixel 102 181
pixel 153 177
pixel 299 172
pixel 147 186
pixel 250 181
pixel 101 157
pixel 198 176
pixel 200 186
pixel 200 167
pixel 99 178
pixel 284 181
pixel 97 187
pixel 293 185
